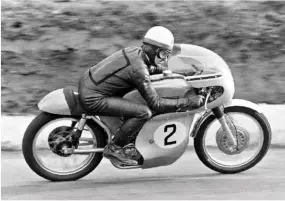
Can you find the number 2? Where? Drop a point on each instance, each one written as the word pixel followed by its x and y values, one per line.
pixel 173 126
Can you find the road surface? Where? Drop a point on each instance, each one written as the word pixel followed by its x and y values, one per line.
pixel 188 178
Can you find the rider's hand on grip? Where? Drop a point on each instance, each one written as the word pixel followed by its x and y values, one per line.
pixel 196 101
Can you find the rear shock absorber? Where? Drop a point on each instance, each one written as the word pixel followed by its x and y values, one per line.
pixel 78 132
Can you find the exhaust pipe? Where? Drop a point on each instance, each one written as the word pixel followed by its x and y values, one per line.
pixel 87 151
pixel 82 151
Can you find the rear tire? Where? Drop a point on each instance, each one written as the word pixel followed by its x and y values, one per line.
pixel 27 148
pixel 201 152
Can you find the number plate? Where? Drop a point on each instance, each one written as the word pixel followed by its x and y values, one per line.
pixel 170 135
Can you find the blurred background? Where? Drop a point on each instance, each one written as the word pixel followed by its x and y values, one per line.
pixel 48 44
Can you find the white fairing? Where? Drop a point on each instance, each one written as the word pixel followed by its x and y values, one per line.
pixel 202 58
pixel 244 103
pixel 55 103
pixel 164 138
pixel 196 59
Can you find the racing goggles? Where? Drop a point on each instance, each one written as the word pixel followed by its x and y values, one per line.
pixel 163 53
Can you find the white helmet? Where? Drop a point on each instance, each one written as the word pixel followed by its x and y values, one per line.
pixel 159 36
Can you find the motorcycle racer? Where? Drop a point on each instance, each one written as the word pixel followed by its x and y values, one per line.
pixel 102 87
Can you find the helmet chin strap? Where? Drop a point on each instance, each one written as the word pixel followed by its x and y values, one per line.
pixel 150 63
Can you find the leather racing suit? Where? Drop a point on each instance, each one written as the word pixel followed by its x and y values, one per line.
pixel 102 87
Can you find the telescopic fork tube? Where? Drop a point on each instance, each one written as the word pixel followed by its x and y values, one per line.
pixel 220 116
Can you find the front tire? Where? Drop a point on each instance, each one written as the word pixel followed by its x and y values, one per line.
pixel 206 159
pixel 29 154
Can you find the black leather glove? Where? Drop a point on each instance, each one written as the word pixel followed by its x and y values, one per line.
pixel 190 103
pixel 196 101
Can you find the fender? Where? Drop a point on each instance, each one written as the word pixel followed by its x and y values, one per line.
pixel 233 102
pixel 244 103
pixel 199 122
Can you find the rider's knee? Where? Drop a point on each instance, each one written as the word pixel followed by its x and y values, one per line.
pixel 146 114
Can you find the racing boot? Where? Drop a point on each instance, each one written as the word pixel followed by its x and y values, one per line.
pixel 131 151
pixel 112 151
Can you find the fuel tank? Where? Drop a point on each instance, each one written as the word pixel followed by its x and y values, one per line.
pixel 171 86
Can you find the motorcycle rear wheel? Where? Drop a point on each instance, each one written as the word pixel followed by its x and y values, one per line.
pixel 30 136
pixel 215 164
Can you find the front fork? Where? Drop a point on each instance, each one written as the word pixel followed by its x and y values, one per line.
pixel 219 113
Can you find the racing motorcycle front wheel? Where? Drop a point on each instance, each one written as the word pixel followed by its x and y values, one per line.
pixel 252 133
pixel 46 137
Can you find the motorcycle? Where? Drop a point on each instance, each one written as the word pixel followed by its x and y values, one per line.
pixel 230 135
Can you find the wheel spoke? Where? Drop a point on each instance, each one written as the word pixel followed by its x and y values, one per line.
pixel 54 163
pixel 249 135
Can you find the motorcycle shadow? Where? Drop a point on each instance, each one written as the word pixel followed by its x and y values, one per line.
pixel 152 179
